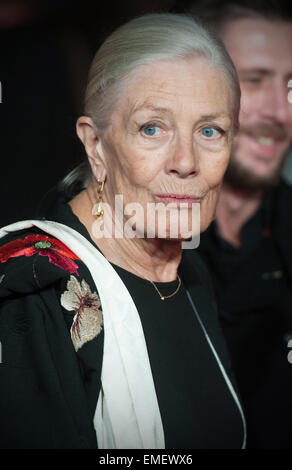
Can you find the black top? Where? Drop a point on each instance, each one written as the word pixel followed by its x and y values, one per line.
pixel 254 293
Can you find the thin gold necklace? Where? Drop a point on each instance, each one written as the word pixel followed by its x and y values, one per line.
pixel 163 297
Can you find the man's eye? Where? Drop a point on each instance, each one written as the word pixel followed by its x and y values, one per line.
pixel 252 79
pixel 210 132
pixel 150 130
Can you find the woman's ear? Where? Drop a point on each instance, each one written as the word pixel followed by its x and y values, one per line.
pixel 88 135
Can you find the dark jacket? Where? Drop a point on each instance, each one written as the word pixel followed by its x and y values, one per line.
pixel 253 287
pixel 43 402
pixel 46 401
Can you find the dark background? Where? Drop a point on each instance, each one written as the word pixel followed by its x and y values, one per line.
pixel 45 52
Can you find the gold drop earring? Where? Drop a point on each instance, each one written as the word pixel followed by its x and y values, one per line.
pixel 99 210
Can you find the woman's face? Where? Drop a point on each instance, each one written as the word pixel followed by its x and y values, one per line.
pixel 169 138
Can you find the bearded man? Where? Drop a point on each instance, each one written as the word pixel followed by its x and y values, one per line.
pixel 248 248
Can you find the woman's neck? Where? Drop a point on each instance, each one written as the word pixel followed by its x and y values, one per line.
pixel 151 258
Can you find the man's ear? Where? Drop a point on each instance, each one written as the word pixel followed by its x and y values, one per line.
pixel 88 135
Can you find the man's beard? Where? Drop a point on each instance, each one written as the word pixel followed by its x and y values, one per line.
pixel 241 178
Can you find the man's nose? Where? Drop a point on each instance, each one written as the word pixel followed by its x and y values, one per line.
pixel 184 161
pixel 275 105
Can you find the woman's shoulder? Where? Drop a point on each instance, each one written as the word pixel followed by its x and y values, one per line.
pixel 38 272
pixel 31 259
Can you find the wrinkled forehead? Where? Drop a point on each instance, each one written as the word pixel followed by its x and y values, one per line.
pixel 192 84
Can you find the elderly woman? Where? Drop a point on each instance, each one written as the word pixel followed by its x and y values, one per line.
pixel 108 339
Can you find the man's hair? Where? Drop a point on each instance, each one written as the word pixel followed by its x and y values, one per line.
pixel 216 13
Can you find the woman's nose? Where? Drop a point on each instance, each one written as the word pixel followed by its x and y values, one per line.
pixel 184 160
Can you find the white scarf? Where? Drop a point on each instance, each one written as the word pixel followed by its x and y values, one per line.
pixel 127 414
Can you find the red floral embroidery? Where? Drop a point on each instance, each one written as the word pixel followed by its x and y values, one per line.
pixel 58 253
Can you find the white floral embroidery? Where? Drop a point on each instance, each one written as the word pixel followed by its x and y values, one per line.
pixel 87 322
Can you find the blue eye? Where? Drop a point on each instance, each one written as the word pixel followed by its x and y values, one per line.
pixel 150 130
pixel 210 132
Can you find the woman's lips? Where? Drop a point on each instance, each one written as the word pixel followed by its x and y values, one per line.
pixel 178 198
